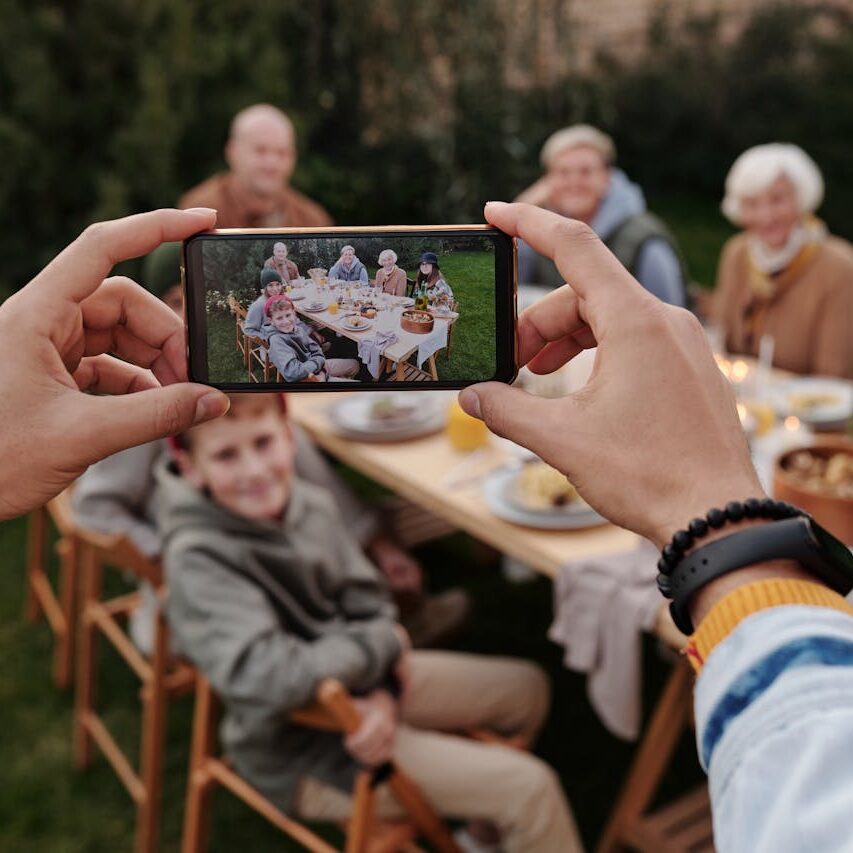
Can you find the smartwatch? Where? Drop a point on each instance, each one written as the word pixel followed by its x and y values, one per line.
pixel 801 539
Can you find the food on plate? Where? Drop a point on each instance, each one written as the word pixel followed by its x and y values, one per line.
pixel 370 313
pixel 388 409
pixel 356 321
pixel 832 475
pixel 806 403
pixel 541 487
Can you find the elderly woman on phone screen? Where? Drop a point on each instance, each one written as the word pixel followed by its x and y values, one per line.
pixel 784 276
pixel 280 263
pixel 389 277
pixel 429 276
pixel 348 267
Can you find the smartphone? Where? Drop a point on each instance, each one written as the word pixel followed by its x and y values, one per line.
pixel 343 309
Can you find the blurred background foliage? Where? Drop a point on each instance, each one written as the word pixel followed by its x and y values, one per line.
pixel 406 113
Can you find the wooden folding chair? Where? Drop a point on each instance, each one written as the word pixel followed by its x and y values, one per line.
pixel 161 677
pixel 59 607
pixel 333 711
pixel 239 312
pixel 258 352
pixel 682 826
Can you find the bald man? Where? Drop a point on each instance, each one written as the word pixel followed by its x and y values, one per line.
pixel 256 191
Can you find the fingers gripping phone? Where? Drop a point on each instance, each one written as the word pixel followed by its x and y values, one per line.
pixel 350 309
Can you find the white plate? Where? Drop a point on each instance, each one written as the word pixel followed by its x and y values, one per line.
pixel 366 323
pixel 316 307
pixel 295 295
pixel 351 417
pixel 498 489
pixel 404 301
pixel 783 398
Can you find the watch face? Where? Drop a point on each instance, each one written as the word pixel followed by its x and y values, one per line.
pixel 836 557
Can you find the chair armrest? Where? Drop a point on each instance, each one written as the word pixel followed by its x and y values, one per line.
pixel 332 711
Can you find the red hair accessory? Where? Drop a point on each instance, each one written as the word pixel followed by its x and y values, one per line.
pixel 274 300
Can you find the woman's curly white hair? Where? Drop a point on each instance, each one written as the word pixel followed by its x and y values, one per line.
pixel 758 167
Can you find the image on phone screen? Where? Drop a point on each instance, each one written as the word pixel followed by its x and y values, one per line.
pixel 353 309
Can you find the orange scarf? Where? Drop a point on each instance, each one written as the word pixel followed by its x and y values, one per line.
pixel 765 289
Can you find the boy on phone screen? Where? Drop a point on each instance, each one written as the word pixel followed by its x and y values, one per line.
pixel 295 353
pixel 269 594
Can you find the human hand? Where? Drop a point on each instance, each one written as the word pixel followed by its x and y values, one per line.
pixel 653 439
pixel 538 193
pixel 401 569
pixel 372 743
pixel 56 334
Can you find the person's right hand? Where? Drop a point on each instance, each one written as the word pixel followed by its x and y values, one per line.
pixel 653 439
pixel 538 193
pixel 55 334
pixel 372 743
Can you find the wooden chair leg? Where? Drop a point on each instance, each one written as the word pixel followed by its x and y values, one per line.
pixel 663 732
pixel 36 531
pixel 422 813
pixel 87 669
pixel 200 785
pixel 154 711
pixel 432 368
pixel 361 823
pixel 63 653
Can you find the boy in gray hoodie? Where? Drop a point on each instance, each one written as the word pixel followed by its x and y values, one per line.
pixel 294 352
pixel 269 594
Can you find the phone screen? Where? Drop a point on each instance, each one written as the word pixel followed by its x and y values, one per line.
pixel 344 310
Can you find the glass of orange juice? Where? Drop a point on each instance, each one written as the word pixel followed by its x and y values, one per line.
pixel 333 307
pixel 464 432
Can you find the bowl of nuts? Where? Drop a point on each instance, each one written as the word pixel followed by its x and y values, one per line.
pixel 417 322
pixel 819 479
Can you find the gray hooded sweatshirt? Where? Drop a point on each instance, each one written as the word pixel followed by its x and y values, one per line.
pixel 296 354
pixel 266 611
pixel 639 239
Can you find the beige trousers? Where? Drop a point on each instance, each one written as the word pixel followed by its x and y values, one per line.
pixel 341 368
pixel 466 779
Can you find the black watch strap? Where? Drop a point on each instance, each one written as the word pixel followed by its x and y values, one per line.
pixel 800 539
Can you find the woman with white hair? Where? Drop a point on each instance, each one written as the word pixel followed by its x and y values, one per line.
pixel 784 275
pixel 389 277
pixel 348 267
pixel 582 182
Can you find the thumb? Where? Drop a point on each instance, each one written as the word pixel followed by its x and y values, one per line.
pixel 513 414
pixel 130 419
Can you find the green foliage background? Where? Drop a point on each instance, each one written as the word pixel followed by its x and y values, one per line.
pixel 115 106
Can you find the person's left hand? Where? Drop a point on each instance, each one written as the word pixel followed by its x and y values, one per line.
pixel 56 333
pixel 372 743
pixel 401 569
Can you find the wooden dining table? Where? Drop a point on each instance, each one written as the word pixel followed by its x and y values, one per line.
pixel 398 352
pixel 421 469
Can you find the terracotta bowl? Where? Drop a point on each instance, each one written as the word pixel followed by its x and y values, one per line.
pixel 409 324
pixel 833 512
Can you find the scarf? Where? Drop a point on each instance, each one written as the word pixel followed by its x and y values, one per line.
pixel 774 271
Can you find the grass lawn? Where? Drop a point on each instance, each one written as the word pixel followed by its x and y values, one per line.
pixel 470 274
pixel 47 807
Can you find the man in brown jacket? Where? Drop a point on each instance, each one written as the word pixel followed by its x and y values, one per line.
pixel 256 191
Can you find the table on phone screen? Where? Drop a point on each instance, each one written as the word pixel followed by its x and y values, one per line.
pixel 417 470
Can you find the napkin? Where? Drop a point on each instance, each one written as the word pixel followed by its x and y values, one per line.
pixel 433 342
pixel 370 350
pixel 602 606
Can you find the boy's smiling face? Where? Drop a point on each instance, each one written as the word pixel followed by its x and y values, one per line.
pixel 283 318
pixel 244 459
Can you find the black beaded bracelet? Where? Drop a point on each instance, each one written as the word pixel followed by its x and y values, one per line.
pixel 734 511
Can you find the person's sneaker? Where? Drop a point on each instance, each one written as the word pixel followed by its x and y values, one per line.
pixel 468 844
pixel 437 618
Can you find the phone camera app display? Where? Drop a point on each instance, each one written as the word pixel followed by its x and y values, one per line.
pixel 378 309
